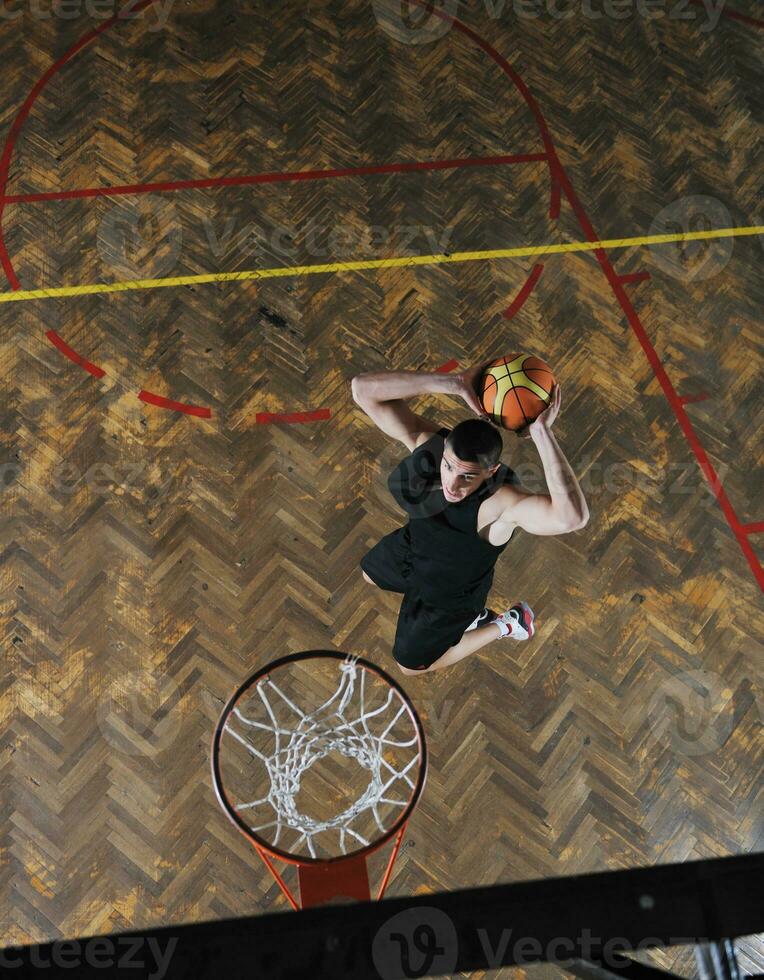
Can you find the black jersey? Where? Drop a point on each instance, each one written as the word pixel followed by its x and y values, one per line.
pixel 449 559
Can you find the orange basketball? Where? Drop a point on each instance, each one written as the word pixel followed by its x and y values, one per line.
pixel 516 389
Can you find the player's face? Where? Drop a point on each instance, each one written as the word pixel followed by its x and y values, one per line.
pixel 459 479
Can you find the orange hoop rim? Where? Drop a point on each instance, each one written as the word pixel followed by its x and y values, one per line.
pixel 252 836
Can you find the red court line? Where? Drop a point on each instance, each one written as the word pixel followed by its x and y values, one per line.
pixel 146 396
pixel 733 15
pixel 528 286
pixel 555 168
pixel 753 528
pixel 634 277
pixel 267 418
pixel 18 122
pixel 268 178
pixel 10 143
pixel 67 351
pixel 162 402
pixel 614 280
pixel 448 366
pixel 558 181
pixel 689 399
pixel 276 178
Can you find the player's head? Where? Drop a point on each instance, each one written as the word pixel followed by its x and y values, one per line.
pixel 471 454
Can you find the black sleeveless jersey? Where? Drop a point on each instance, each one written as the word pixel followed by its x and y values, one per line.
pixel 450 562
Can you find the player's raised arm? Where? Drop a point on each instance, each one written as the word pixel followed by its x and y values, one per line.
pixel 565 508
pixel 382 396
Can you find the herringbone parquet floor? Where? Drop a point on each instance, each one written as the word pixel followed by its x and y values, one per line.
pixel 152 558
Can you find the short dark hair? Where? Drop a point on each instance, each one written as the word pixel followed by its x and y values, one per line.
pixel 476 441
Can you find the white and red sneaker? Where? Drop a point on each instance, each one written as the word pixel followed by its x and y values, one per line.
pixel 516 622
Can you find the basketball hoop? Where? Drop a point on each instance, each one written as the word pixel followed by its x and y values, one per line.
pixel 319 759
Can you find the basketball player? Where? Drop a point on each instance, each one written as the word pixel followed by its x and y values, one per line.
pixel 463 507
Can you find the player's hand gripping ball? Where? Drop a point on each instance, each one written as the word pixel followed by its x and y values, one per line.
pixel 515 390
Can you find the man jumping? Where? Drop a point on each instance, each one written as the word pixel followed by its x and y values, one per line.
pixel 463 507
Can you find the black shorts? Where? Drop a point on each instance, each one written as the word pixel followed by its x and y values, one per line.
pixel 424 631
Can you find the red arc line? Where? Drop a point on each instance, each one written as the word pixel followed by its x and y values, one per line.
pixel 559 182
pixel 558 173
pixel 5 162
pixel 67 351
pixel 159 400
pixel 10 143
pixel 21 116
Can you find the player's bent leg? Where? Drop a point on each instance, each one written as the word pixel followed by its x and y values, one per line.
pixel 370 581
pixel 422 644
pixel 428 638
pixel 470 642
pixel 411 656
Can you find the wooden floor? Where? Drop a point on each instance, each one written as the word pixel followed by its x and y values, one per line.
pixel 156 553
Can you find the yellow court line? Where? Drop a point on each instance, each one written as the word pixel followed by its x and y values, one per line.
pixel 409 260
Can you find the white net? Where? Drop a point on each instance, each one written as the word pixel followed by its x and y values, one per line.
pixel 359 745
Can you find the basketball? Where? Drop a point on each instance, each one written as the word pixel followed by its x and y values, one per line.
pixel 515 390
